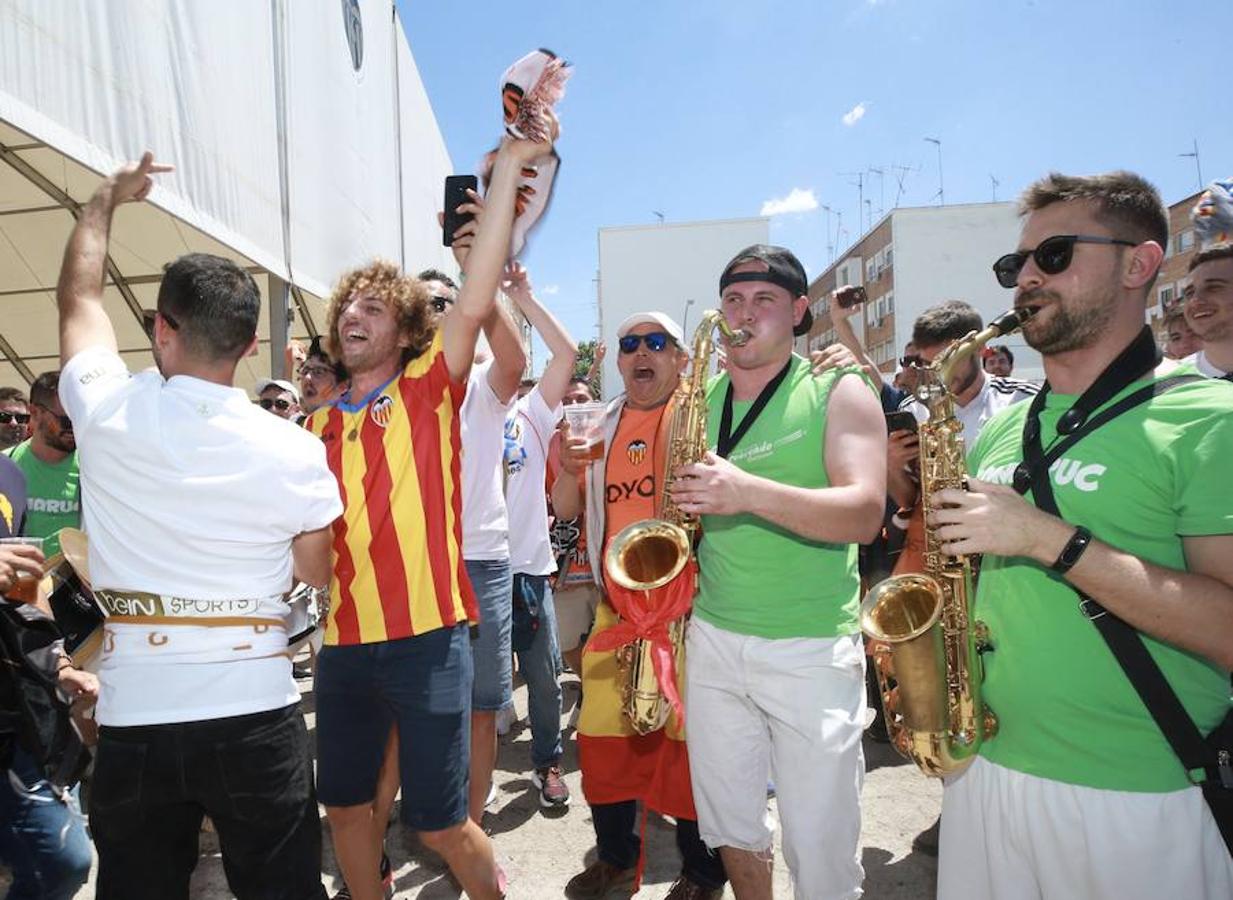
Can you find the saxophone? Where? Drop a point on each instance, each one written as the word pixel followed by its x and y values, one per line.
pixel 648 554
pixel 927 655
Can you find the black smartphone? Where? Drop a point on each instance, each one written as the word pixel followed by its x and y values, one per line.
pixel 900 421
pixel 456 187
pixel 850 295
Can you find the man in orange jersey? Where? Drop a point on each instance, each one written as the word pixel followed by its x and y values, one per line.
pixel 620 766
pixel 396 644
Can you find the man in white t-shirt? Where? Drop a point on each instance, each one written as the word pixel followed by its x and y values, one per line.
pixel 1209 310
pixel 485 524
pixel 198 711
pixel 528 431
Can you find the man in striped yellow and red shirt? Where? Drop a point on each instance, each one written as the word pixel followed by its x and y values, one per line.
pixel 396 648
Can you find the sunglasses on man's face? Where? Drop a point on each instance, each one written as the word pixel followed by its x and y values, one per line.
pixel 65 423
pixel 8 418
pixel 440 304
pixel 277 403
pixel 655 341
pixel 912 361
pixel 1052 256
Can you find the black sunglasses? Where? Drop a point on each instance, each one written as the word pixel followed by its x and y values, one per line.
pixel 147 322
pixel 1052 255
pixel 64 421
pixel 274 403
pixel 655 341
pixel 913 360
pixel 8 418
pixel 440 304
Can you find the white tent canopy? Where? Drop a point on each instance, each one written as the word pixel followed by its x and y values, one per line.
pixel 303 140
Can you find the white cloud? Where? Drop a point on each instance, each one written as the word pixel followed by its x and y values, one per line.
pixel 798 200
pixel 854 115
pixel 549 289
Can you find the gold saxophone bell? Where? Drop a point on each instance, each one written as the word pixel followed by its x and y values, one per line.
pixel 648 554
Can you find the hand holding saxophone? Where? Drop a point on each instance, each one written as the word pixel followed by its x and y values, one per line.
pixel 713 487
pixel 992 518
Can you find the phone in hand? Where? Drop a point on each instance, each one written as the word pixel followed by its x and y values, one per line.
pixel 850 295
pixel 901 420
pixel 456 187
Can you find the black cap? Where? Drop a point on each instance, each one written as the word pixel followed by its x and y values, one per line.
pixel 782 269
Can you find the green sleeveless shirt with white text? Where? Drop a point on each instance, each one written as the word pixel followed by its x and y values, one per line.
pixel 757 578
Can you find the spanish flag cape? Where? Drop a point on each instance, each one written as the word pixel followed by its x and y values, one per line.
pixel 617 763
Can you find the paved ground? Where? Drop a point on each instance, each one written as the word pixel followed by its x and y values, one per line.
pixel 542 850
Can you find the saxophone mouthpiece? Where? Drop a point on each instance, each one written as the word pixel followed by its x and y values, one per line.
pixel 1013 320
pixel 738 338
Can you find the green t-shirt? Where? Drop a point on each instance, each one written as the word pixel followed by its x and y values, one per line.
pixel 1141 482
pixel 757 578
pixel 54 495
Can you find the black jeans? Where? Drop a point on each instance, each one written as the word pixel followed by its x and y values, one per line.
pixel 618 843
pixel 251 774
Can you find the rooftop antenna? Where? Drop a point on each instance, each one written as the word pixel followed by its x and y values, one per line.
pixel 860 194
pixel 830 245
pixel 901 172
pixel 657 214
pixel 1197 167
pixel 995 187
pixel 941 194
pixel 881 173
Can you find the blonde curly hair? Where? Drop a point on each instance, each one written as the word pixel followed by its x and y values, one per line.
pixel 406 295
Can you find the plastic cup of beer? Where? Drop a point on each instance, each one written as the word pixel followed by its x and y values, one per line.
pixel 25 588
pixel 586 420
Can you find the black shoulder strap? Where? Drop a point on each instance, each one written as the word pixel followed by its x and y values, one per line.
pixel 1125 642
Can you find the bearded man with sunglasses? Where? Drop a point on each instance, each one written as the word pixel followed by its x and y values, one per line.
pixel 48 459
pixel 1128 532
pixel 620 767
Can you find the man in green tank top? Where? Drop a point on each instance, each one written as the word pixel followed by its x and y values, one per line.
pixel 774 665
pixel 1079 793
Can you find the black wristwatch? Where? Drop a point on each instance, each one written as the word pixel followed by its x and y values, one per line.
pixel 1072 551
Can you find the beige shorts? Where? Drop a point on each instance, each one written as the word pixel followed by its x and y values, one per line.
pixel 575 608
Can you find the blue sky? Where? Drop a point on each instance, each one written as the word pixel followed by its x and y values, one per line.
pixel 714 109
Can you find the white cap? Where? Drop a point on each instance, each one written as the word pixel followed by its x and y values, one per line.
pixel 263 383
pixel 663 320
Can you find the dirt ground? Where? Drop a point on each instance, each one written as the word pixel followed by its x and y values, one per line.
pixel 541 850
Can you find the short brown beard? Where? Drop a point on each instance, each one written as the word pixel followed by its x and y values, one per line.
pixel 1068 329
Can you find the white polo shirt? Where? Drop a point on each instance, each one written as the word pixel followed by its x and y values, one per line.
pixel 995 395
pixel 485 525
pixel 192 492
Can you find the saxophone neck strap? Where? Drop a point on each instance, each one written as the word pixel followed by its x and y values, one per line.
pixel 1138 359
pixel 729 439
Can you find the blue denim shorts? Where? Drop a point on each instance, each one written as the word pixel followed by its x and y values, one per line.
pixel 490 651
pixel 421 685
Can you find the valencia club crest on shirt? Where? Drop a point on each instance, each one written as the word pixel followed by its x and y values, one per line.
pixel 636 452
pixel 381 410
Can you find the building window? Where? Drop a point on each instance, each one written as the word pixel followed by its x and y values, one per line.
pixel 1185 240
pixel 890 301
pixel 890 255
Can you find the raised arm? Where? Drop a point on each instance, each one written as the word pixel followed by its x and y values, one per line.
pixel 79 294
pixel 488 255
pixel 563 350
pixel 841 317
pixel 509 359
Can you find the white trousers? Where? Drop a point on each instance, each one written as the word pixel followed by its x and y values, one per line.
pixel 795 704
pixel 1011 836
